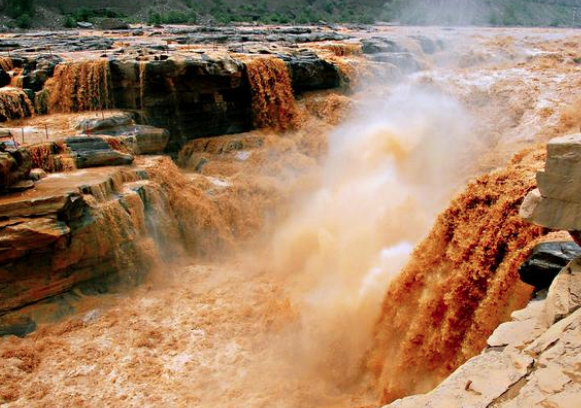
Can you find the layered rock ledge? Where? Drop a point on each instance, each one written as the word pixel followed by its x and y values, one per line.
pixel 556 203
pixel 192 81
pixel 107 223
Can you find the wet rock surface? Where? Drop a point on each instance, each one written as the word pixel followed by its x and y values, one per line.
pixel 95 152
pixel 546 262
pixel 87 226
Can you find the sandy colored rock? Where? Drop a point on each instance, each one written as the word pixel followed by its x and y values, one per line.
pixel 564 296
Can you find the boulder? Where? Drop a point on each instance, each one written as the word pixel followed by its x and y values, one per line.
pixel 96 124
pixel 38 70
pixel 564 296
pixel 85 25
pixel 405 61
pixel 546 261
pixel 308 72
pixel 376 45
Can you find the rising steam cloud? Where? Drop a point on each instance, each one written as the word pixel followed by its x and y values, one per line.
pixel 388 172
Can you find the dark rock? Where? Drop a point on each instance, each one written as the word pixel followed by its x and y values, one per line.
pixel 375 45
pixel 546 262
pixel 9 45
pixel 93 125
pixel 309 72
pixel 192 97
pixel 405 61
pixel 5 78
pixel 38 70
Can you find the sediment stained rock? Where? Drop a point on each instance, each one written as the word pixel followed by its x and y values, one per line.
pixel 191 97
pixel 15 103
pixel 15 166
pixel 107 224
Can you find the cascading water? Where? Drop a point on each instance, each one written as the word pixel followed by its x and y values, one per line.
pixel 385 177
pixel 14 104
pixel 459 285
pixel 80 86
pixel 273 101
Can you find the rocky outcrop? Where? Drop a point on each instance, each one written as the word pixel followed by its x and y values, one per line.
pixel 556 204
pixel 308 72
pixel 191 97
pixel 532 361
pixel 138 139
pixel 95 224
pixel 205 95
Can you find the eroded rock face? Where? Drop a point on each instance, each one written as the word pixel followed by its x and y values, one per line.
pixel 190 97
pixel 15 166
pixel 532 361
pixel 557 202
pixel 95 224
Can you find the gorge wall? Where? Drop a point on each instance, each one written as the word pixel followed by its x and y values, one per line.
pixel 191 96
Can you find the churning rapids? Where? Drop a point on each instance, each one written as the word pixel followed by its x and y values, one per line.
pixel 335 282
